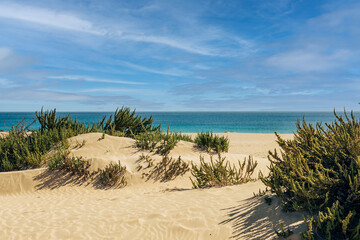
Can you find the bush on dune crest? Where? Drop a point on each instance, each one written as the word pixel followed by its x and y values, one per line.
pixel 319 171
pixel 61 160
pixel 211 142
pixel 161 143
pixel 48 121
pixel 113 175
pixel 218 173
pixel 126 122
pixel 23 150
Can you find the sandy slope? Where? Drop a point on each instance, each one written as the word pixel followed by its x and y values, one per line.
pixel 40 204
pixel 3 134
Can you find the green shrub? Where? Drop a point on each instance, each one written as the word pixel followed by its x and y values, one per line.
pixel 127 123
pixel 113 175
pixel 168 142
pixel 220 173
pixel 161 143
pixel 49 121
pixel 23 150
pixel 147 159
pixel 210 141
pixel 181 137
pixel 148 140
pixel 61 160
pixel 319 171
pixel 282 232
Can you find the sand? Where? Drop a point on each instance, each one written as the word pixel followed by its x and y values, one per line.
pixel 40 204
pixel 3 134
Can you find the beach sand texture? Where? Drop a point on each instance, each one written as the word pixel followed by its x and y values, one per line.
pixel 40 204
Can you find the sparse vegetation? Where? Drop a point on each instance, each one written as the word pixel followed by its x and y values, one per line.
pixel 102 136
pixel 61 160
pixel 147 159
pixel 113 175
pixel 167 143
pixel 218 173
pixel 319 171
pixel 124 122
pixel 22 149
pixel 161 143
pixel 49 121
pixel 80 144
pixel 282 232
pixel 211 142
pixel 148 141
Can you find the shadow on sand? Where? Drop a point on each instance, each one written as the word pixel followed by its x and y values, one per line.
pixel 53 179
pixel 255 219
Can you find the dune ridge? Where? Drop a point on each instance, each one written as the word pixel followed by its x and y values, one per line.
pixel 40 204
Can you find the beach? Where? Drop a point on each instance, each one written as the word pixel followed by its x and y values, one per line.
pixel 43 204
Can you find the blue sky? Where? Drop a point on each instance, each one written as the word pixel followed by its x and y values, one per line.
pixel 179 55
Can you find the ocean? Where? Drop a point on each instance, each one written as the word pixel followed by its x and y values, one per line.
pixel 244 122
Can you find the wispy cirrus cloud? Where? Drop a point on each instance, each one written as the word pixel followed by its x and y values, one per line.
pixel 202 43
pixel 47 17
pixel 5 83
pixel 209 55
pixel 9 60
pixel 304 60
pixel 109 90
pixel 170 72
pixel 92 79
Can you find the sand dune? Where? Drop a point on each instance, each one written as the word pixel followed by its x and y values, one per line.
pixel 40 204
pixel 3 134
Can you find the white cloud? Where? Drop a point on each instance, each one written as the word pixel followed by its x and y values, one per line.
pixel 91 79
pixel 108 90
pixel 170 72
pixel 174 42
pixel 131 29
pixel 47 17
pixel 4 53
pixel 308 92
pixel 10 60
pixel 4 82
pixel 35 94
pixel 306 60
pixel 347 17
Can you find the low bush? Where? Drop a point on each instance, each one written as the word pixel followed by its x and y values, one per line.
pixel 161 143
pixel 23 150
pixel 212 142
pixel 319 171
pixel 61 160
pixel 282 233
pixel 50 121
pixel 113 175
pixel 148 141
pixel 167 143
pixel 124 122
pixel 219 173
pixel 181 137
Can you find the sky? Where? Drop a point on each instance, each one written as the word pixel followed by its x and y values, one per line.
pixel 188 55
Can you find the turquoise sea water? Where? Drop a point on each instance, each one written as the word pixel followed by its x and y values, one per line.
pixel 245 122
